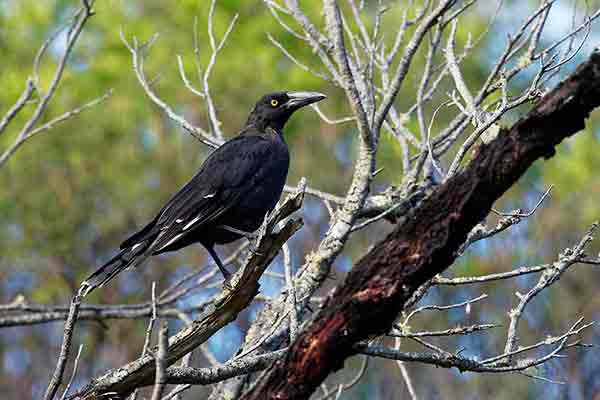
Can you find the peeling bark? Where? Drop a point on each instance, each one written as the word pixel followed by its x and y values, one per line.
pixel 426 243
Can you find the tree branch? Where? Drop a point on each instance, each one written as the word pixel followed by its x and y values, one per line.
pixel 377 288
pixel 225 308
pixel 27 131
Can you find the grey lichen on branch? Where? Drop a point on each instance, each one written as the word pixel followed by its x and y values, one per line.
pixel 243 288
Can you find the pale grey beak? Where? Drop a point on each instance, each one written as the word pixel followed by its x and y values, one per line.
pixel 301 99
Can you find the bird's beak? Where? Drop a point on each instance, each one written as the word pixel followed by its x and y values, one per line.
pixel 301 99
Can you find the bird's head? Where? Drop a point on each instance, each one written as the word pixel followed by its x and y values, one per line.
pixel 273 110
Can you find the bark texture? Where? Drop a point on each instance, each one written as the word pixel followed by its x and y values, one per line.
pixel 426 243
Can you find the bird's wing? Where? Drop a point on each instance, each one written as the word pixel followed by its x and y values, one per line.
pixel 216 188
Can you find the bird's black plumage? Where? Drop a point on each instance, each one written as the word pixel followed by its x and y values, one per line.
pixel 229 196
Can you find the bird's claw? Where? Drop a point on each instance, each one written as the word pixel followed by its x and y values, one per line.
pixel 252 237
pixel 227 282
pixel 253 248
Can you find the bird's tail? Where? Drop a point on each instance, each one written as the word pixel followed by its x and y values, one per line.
pixel 126 258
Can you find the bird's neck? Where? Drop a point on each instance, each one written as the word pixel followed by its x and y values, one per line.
pixel 261 130
pixel 261 123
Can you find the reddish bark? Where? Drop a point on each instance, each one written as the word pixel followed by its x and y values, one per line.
pixel 376 289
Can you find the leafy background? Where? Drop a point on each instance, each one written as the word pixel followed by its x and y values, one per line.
pixel 68 197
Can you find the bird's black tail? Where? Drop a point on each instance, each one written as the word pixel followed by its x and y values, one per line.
pixel 129 257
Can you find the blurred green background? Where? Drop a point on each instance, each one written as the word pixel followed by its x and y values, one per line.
pixel 71 195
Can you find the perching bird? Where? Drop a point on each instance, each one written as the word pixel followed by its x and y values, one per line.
pixel 227 199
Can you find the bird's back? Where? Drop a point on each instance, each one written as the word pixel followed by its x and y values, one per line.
pixel 237 184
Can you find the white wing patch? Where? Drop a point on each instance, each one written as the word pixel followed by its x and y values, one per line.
pixel 185 228
pixel 171 241
pixel 192 222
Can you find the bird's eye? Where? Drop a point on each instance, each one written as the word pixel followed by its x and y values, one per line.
pixel 274 103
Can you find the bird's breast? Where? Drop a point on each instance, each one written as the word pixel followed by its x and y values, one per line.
pixel 269 181
pixel 265 189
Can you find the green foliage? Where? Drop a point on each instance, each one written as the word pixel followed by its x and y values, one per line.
pixel 72 192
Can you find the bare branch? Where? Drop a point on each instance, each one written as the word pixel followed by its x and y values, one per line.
pixel 20 103
pixel 295 61
pixel 291 292
pixel 204 376
pixel 65 349
pixel 138 67
pixel 73 373
pixel 149 330
pixel 160 379
pixel 405 61
pixel 407 380
pixel 336 393
pixel 215 124
pixel 492 365
pixel 548 277
pixel 438 280
pixel 82 16
pixel 459 330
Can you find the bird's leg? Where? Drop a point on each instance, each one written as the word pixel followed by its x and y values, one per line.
pixel 215 256
pixel 248 235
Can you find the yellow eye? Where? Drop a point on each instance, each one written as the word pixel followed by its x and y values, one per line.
pixel 274 103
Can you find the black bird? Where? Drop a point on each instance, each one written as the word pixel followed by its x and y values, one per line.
pixel 227 199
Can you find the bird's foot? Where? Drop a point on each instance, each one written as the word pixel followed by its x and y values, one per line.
pixel 227 283
pixel 253 248
pixel 226 278
pixel 251 236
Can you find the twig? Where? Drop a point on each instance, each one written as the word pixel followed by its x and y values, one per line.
pixel 295 61
pixel 376 218
pixel 216 48
pixel 407 380
pixel 263 338
pixel 161 364
pixel 291 292
pixel 519 213
pixel 73 373
pixel 459 330
pixel 329 120
pixel 138 67
pixel 409 52
pixel 443 308
pixel 548 277
pixel 205 376
pixel 65 348
pixel 348 385
pixel 83 16
pixel 467 280
pixel 61 118
pixel 492 365
pixel 19 104
pixel 148 336
pixel 185 80
pixel 459 82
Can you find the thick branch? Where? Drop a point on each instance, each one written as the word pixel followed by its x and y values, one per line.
pixel 427 243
